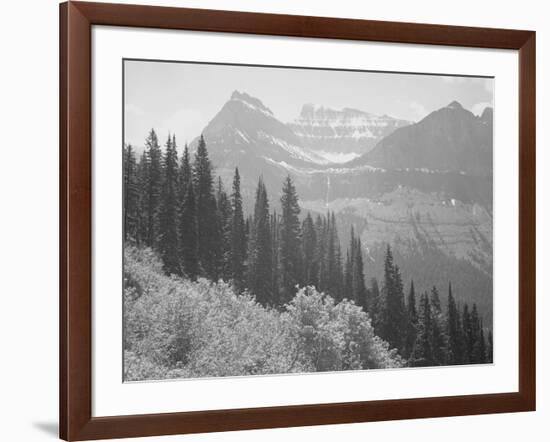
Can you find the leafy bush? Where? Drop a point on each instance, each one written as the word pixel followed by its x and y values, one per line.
pixel 176 328
pixel 335 337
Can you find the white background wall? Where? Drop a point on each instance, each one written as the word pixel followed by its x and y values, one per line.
pixel 29 218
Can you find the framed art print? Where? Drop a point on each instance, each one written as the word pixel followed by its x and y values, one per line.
pixel 273 220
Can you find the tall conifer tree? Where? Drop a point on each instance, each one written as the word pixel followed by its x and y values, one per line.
pixel 358 287
pixel 238 235
pixel 422 355
pixel 309 241
pixel 375 307
pixel 168 210
pixel 412 322
pixel 188 234
pixel 289 238
pixel 225 218
pixel 489 357
pixel 187 219
pixel 185 174
pixel 153 183
pixel 142 185
pixel 438 340
pixel 339 274
pixel 131 195
pixel 394 314
pixel 209 244
pixel 468 337
pixel 275 265
pixel 259 251
pixel 478 350
pixel 454 353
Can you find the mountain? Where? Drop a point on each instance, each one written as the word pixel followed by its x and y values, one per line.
pixel 246 123
pixel 449 139
pixel 341 135
pixel 426 187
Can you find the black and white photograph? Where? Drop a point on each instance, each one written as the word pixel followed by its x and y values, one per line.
pixel 286 220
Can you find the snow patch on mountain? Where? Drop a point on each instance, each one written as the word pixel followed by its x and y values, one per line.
pixel 325 171
pixel 296 152
pixel 251 103
pixel 337 157
pixel 242 136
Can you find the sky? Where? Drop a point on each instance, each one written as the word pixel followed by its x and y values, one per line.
pixel 181 98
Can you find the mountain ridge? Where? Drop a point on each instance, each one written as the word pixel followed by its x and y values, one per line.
pixel 450 138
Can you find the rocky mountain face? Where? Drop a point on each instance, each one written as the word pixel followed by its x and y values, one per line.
pixel 449 139
pixel 246 134
pixel 341 135
pixel 426 187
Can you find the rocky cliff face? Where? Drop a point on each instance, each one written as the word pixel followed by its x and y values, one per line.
pixel 342 135
pixel 449 139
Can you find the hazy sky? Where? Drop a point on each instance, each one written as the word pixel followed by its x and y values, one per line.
pixel 184 97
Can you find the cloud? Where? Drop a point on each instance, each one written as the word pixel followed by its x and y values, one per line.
pixel 478 108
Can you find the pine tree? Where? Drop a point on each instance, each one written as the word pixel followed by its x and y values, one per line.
pixel 375 306
pixel 168 214
pixel 330 255
pixel 468 336
pixel 482 347
pixel 438 340
pixel 185 174
pixel 454 353
pixel 358 288
pixel 209 244
pixel 320 234
pixel 153 183
pixel 422 355
pixel 412 323
pixel 238 235
pixel 348 270
pixel 339 276
pixel 478 348
pixel 131 195
pixel 393 315
pixel 142 184
pixel 289 254
pixel 260 253
pixel 309 242
pixel 187 223
pixel 275 264
pixel 489 357
pixel 188 234
pixel 225 218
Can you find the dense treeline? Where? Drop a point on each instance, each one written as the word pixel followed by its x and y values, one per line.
pixel 177 208
pixel 423 333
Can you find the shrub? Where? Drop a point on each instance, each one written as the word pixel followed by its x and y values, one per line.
pixel 176 328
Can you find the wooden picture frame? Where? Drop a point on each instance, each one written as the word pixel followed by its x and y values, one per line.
pixel 76 21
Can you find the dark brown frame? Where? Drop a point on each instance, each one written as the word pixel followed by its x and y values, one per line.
pixel 76 421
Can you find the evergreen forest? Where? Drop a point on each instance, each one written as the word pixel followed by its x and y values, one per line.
pixel 210 290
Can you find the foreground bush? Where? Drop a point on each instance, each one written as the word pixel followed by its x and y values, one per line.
pixel 176 328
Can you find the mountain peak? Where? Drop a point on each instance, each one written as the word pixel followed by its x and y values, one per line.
pixel 454 105
pixel 250 101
